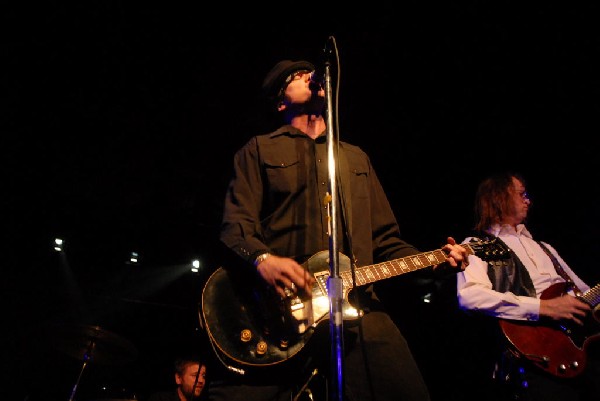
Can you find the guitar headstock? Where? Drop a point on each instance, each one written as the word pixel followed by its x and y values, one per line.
pixel 489 249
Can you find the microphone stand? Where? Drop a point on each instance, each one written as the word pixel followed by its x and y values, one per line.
pixel 335 284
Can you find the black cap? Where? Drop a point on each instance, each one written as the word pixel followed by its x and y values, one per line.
pixel 275 79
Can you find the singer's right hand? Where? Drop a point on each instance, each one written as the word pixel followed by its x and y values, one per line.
pixel 285 274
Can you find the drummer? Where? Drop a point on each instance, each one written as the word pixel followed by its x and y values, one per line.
pixel 190 377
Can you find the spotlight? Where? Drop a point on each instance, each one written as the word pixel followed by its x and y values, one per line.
pixel 134 258
pixel 427 298
pixel 195 265
pixel 58 245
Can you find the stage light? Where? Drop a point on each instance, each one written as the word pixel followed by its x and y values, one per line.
pixel 427 298
pixel 195 265
pixel 58 244
pixel 134 258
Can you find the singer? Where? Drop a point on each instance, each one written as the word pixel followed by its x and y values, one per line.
pixel 274 222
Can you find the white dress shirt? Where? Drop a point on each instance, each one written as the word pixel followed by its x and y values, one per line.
pixel 474 287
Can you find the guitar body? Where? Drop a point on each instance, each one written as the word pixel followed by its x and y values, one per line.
pixel 250 326
pixel 559 348
pixel 230 319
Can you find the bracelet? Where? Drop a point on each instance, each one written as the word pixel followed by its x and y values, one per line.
pixel 260 258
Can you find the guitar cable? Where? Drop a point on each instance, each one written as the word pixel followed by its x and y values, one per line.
pixel 347 224
pixel 304 388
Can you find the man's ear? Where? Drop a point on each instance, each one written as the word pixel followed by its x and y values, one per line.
pixel 178 379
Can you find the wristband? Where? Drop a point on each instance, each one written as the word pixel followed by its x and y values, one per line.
pixel 260 258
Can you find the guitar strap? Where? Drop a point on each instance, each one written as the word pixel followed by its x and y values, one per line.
pixel 344 189
pixel 560 270
pixel 345 201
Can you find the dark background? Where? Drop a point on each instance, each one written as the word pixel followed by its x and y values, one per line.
pixel 121 123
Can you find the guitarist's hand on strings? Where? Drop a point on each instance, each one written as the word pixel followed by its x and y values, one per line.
pixel 285 275
pixel 457 256
pixel 565 307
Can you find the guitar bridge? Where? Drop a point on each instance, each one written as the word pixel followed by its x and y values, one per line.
pixel 296 304
pixel 539 358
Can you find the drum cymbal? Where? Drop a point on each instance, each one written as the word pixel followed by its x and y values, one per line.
pixel 93 344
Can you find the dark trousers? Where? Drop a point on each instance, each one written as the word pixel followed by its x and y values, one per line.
pixel 378 366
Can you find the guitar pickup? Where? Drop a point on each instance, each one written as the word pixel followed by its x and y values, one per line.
pixel 296 304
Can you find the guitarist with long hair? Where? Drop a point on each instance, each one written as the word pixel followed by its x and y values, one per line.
pixel 540 309
pixel 274 220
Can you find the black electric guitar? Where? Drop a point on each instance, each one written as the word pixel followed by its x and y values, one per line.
pixel 559 348
pixel 251 326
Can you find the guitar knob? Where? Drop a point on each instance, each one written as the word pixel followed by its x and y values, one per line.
pixel 562 368
pixel 246 335
pixel 574 365
pixel 261 348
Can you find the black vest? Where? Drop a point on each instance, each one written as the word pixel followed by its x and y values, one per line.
pixel 507 273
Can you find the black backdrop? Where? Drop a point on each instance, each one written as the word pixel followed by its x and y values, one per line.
pixel 122 120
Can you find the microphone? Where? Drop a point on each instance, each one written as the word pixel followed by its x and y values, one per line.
pixel 317 79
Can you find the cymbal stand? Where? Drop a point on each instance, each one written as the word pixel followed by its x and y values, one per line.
pixel 86 358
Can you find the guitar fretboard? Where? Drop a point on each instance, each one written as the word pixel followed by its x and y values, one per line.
pixel 396 267
pixel 592 296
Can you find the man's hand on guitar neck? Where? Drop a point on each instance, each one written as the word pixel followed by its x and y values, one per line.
pixel 285 275
pixel 565 307
pixel 457 256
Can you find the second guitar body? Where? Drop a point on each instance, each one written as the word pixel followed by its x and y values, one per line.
pixel 559 348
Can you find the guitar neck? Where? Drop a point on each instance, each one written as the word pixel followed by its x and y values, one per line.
pixel 381 271
pixel 592 296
